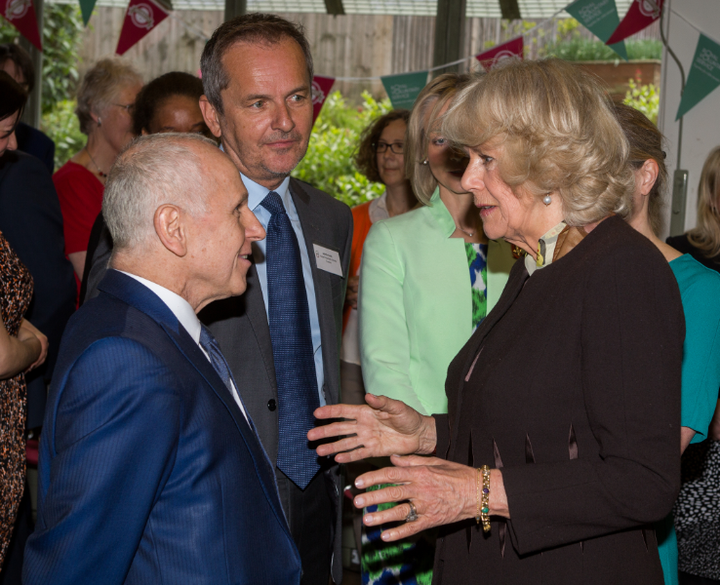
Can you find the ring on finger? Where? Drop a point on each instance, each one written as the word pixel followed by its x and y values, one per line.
pixel 412 514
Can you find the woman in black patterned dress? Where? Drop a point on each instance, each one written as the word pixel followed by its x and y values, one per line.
pixel 22 347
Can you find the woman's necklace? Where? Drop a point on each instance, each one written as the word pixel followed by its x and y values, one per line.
pixel 103 175
pixel 469 234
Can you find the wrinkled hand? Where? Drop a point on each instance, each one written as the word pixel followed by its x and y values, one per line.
pixel 351 295
pixel 442 492
pixel 29 333
pixel 381 428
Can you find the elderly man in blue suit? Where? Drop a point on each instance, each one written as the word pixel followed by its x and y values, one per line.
pixel 150 468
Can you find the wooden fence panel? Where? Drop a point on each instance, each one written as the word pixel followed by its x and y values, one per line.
pixel 342 46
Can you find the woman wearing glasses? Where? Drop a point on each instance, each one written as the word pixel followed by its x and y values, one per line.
pixel 429 277
pixel 105 102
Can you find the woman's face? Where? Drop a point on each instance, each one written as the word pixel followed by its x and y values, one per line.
pixel 512 214
pixel 391 166
pixel 7 133
pixel 116 121
pixel 178 113
pixel 447 164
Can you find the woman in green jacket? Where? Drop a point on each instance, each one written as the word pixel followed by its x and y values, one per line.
pixel 429 277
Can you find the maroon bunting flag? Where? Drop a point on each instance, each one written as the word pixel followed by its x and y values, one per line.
pixel 491 58
pixel 321 87
pixel 640 15
pixel 141 17
pixel 21 14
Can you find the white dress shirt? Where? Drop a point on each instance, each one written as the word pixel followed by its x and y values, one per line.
pixel 188 319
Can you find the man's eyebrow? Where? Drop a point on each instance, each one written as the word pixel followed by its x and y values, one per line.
pixel 258 96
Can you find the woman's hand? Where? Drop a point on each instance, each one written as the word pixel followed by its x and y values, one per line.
pixel 381 428
pixel 26 333
pixel 351 294
pixel 442 492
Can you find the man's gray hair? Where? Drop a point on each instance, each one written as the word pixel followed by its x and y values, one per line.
pixel 151 171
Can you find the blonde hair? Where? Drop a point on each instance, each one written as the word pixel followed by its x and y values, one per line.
pixel 706 235
pixel 428 105
pixel 99 86
pixel 558 131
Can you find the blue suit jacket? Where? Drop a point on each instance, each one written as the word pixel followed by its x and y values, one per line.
pixel 149 472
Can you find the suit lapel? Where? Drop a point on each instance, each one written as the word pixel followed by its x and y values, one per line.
pixel 516 282
pixel 257 315
pixel 312 232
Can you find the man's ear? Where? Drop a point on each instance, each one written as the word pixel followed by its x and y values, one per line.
pixel 212 118
pixel 648 175
pixel 170 228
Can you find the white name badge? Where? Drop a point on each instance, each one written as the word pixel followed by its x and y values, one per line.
pixel 327 260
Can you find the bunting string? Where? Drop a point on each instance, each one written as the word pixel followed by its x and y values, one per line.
pixel 697 28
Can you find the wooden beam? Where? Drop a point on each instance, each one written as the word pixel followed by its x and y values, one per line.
pixel 33 108
pixel 449 33
pixel 510 9
pixel 334 7
pixel 235 8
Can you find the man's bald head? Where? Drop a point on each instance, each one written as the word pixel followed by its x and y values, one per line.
pixel 152 171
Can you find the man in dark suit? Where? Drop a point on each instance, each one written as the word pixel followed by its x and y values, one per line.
pixel 150 467
pixel 282 339
pixel 31 221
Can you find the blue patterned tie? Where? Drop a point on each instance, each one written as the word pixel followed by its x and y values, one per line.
pixel 292 346
pixel 217 359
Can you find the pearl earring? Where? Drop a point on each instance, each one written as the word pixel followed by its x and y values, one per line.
pixel 547 200
pixel 424 162
pixel 99 122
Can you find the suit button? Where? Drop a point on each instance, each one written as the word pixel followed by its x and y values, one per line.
pixel 272 405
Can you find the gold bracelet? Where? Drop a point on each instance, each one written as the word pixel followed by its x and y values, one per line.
pixel 484 506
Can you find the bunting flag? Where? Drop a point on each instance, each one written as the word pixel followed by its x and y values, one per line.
pixel 21 14
pixel 141 17
pixel 86 8
pixel 321 87
pixel 704 75
pixel 601 18
pixel 640 15
pixel 491 58
pixel 404 88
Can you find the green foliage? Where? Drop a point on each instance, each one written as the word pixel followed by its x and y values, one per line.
pixel 61 38
pixel 572 46
pixel 578 48
pixel 62 125
pixel 328 164
pixel 645 98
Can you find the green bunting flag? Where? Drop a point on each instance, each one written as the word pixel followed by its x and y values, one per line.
pixel 86 8
pixel 704 75
pixel 404 88
pixel 601 18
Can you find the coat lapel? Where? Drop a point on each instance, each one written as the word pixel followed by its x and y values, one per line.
pixel 516 282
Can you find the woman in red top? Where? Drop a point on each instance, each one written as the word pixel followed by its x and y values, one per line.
pixel 105 103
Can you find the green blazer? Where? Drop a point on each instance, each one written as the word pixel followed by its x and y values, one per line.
pixel 415 305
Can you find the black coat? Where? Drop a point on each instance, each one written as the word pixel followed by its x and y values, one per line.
pixel 575 395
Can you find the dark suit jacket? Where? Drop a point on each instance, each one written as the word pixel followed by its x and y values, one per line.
pixel 575 395
pixel 31 221
pixel 35 142
pixel 149 472
pixel 241 328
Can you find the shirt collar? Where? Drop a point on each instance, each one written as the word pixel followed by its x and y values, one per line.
pixel 546 249
pixel 256 192
pixel 178 305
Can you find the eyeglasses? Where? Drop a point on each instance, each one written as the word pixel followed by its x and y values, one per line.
pixel 127 107
pixel 395 147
